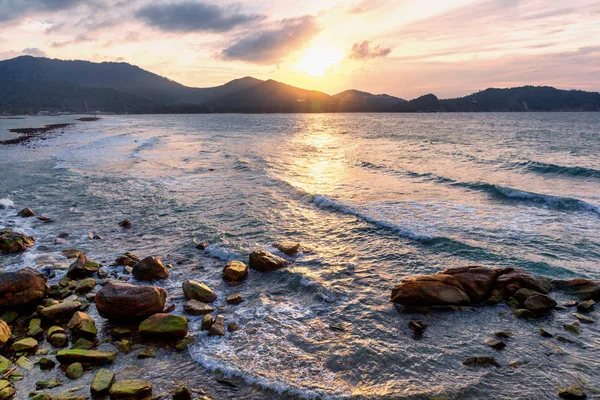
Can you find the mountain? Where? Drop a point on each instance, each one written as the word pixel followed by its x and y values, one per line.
pixel 31 84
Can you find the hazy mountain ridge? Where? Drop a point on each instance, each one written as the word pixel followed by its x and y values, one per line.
pixel 31 84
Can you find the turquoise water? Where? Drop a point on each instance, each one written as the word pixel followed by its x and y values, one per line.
pixel 377 196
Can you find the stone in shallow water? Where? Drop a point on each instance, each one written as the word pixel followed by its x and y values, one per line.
pixel 150 269
pixel 264 261
pixel 572 393
pixel 27 344
pixel 5 333
pixel 147 353
pixel 130 390
pixel 584 318
pixel 83 344
pixel 14 242
pixel 523 313
pixel 503 334
pixel 481 361
pixel 182 393
pixel 74 371
pixel 235 271
pixel 573 328
pixel 539 303
pixel 7 393
pixel 48 384
pixel 235 298
pixel 46 363
pixel 430 290
pixel 585 306
pixel 545 333
pixel 198 291
pixel 207 322
pixel 118 300
pixel 164 327
pixel 60 311
pixel 95 357
pixel 22 287
pixel 583 289
pixel 195 307
pixel 102 382
pixel 495 344
pixel 184 343
pixel 82 326
pixel 218 327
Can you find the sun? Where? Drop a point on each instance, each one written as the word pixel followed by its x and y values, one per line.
pixel 316 61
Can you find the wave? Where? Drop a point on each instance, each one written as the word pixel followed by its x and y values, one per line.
pixel 6 203
pixel 546 168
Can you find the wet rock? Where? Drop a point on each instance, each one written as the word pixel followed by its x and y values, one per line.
pixel 61 311
pixel 430 290
pixel 27 344
pixel 495 297
pixel 235 271
pixel 288 248
pixel 235 298
pixel 164 327
pixel 8 393
pixel 232 327
pixel 22 287
pixel 572 393
pixel 481 361
pixel 86 285
pixel 264 261
pixel 418 327
pixel 121 332
pixel 59 241
pixel 150 269
pixel 523 294
pixel 46 364
pixel 207 322
pixel 82 326
pixel 127 260
pixel 126 223
pixel 82 268
pixel 5 333
pixel 182 393
pixel 195 307
pixel 586 306
pixel 198 291
pixel 102 382
pixel 5 364
pixel 495 344
pixel 583 289
pixel 524 314
pixel 218 327
pixel 545 333
pixel 48 384
pixel 26 213
pixel 202 246
pixel 9 316
pixel 573 328
pixel 72 253
pixel 584 318
pixel 146 353
pixel 57 336
pixel 503 334
pixel 74 371
pixel 95 357
pixel 124 346
pixel 14 242
pixel 184 343
pixel 117 300
pixel 25 363
pixel 130 390
pixel 510 282
pixel 40 396
pixel 477 282
pixel 83 344
pixel 539 303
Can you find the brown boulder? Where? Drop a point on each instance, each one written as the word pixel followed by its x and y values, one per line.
pixel 60 311
pixel 4 333
pixel 583 289
pixel 150 269
pixel 235 271
pixel 539 303
pixel 14 242
pixel 117 300
pixel 288 248
pixel 430 290
pixel 516 279
pixel 82 268
pixel 477 282
pixel 198 291
pixel 264 261
pixel 26 213
pixel 22 287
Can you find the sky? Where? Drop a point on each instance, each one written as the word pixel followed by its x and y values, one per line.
pixel 404 48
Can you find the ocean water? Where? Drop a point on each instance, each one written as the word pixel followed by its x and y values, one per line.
pixel 377 197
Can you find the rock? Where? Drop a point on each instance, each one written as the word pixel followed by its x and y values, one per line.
pixel 184 343
pixel 418 327
pixel 102 382
pixel 430 290
pixel 164 327
pixel 118 300
pixel 545 333
pixel 121 332
pixel 573 328
pixel 572 393
pixel 14 242
pixel 4 384
pixel 5 333
pixel 235 271
pixel 57 337
pixel 523 294
pixel 59 241
pixel 82 326
pixel 48 384
pixel 195 307
pixel 127 260
pixel 232 327
pixel 477 282
pixel 288 248
pixel 264 261
pixel 26 213
pixel 95 357
pixel 524 313
pixel 86 285
pixel 40 396
pixel 495 344
pixel 569 303
pixel 23 287
pixel 126 223
pixel 146 353
pixel 72 253
pixel 513 280
pixel 586 306
pixel 198 291
pixel 539 304
pixel 27 344
pixel 61 311
pixel 182 393
pixel 202 246
pixel 83 344
pixel 235 298
pixel 46 364
pixel 74 371
pixel 207 322
pixel 130 390
pixel 35 332
pixel 583 289
pixel 124 346
pixel 5 364
pixel 584 318
pixel 218 327
pixel 150 269
pixel 9 317
pixel 82 268
pixel 7 393
pixel 25 363
pixel 482 361
pixel 503 334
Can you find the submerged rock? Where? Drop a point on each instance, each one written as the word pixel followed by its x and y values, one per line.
pixel 150 269
pixel 130 390
pixel 495 344
pixel 235 271
pixel 418 327
pixel 482 361
pixel 288 248
pixel 586 306
pixel 264 261
pixel 430 290
pixel 126 223
pixel 14 242
pixel 572 393
pixel 117 300
pixel 235 298
pixel 182 393
pixel 164 327
pixel 22 287
pixel 74 371
pixel 195 307
pixel 198 291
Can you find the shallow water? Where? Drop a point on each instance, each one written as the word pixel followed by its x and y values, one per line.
pixel 377 196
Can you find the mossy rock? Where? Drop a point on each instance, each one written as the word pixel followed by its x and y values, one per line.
pixel 95 357
pixel 48 384
pixel 74 371
pixel 7 393
pixel 27 344
pixel 164 327
pixel 5 364
pixel 131 390
pixel 86 285
pixel 103 380
pixel 14 242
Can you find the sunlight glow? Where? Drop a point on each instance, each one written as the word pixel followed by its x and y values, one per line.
pixel 317 61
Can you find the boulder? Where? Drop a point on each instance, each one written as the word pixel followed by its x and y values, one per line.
pixel 524 313
pixel 235 298
pixel 61 311
pixel 26 213
pixel 127 260
pixel 288 248
pixel 195 307
pixel 235 271
pixel 4 333
pixel 117 300
pixel 82 268
pixel 430 290
pixel 198 291
pixel 182 393
pixel 82 326
pixel 27 344
pixel 539 303
pixel 218 327
pixel 150 269
pixel 264 261
pixel 572 393
pixel 7 393
pixel 164 327
pixel 130 390
pixel 22 287
pixel 508 283
pixel 206 323
pixel 126 223
pixel 71 253
pixel 477 282
pixel 102 382
pixel 95 357
pixel 74 371
pixel 85 285
pixel 586 306
pixel 523 294
pixel 581 288
pixel 14 242
pixel 482 361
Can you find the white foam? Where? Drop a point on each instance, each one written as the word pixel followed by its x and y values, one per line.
pixel 6 203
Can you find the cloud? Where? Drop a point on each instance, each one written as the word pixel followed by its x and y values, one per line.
pixel 270 46
pixel 34 51
pixel 78 39
pixel 366 6
pixel 364 51
pixel 12 9
pixel 193 17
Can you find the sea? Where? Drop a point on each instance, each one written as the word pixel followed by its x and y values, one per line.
pixel 375 197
